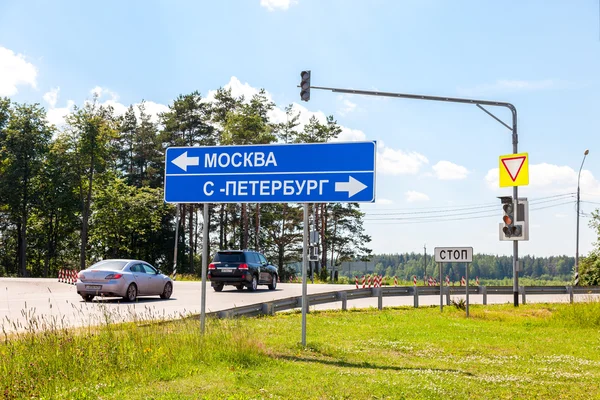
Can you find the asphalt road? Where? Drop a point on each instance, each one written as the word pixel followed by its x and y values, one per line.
pixel 38 303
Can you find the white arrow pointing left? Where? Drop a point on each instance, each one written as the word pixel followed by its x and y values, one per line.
pixel 183 161
pixel 352 186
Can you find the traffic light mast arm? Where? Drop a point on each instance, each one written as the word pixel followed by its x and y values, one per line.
pixel 478 103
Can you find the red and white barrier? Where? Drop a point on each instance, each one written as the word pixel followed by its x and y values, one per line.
pixel 363 281
pixel 356 281
pixel 430 281
pixel 447 280
pixel 462 281
pixel 414 280
pixel 67 276
pixel 395 281
pixel 370 279
pixel 477 281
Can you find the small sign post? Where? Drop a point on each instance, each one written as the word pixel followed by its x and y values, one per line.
pixel 454 255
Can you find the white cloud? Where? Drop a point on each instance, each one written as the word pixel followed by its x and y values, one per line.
pixel 445 170
pixel 52 96
pixel 551 178
pixel 492 178
pixel 412 196
pixel 15 71
pixel 237 89
pixel 272 5
pixel 398 162
pixel 347 106
pixel 351 135
pixel 509 86
pixel 56 115
pixel 153 109
pixel 102 91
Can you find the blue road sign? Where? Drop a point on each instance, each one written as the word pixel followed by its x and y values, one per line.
pixel 277 173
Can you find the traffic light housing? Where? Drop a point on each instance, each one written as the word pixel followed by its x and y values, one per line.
pixel 305 86
pixel 313 253
pixel 515 219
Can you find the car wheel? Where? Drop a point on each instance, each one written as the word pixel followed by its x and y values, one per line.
pixel 131 293
pixel 273 284
pixel 239 287
pixel 88 297
pixel 218 287
pixel 167 291
pixel 254 284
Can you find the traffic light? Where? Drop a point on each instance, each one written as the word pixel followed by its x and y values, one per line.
pixel 305 86
pixel 515 219
pixel 523 216
pixel 313 253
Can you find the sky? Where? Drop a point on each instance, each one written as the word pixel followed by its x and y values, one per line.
pixel 437 162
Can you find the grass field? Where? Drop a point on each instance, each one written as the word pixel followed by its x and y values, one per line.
pixel 538 351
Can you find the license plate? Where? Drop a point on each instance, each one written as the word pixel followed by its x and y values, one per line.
pixel 226 269
pixel 93 287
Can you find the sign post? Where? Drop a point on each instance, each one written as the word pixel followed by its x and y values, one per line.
pixel 441 288
pixel 455 255
pixel 339 172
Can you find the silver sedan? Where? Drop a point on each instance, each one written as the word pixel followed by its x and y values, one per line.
pixel 123 278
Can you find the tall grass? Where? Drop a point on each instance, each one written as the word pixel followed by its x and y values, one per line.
pixel 64 363
pixel 533 351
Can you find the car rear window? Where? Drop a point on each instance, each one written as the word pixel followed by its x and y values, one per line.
pixel 229 256
pixel 110 265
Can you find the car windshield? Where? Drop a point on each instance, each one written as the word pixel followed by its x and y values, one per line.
pixel 229 257
pixel 113 265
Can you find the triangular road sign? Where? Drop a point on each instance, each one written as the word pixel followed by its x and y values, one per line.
pixel 514 170
pixel 513 166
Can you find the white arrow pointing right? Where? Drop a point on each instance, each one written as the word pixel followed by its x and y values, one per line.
pixel 353 186
pixel 183 161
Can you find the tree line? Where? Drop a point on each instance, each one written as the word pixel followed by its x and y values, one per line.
pixel 93 188
pixel 488 266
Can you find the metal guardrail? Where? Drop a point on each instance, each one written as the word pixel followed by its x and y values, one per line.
pixel 290 303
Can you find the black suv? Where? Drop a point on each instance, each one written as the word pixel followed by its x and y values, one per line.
pixel 241 268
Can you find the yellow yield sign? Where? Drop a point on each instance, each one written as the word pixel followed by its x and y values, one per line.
pixel 514 170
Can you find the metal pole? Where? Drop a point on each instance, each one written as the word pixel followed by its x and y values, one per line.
pixel 577 237
pixel 304 267
pixel 204 266
pixel 314 264
pixel 425 261
pixel 515 142
pixel 176 241
pixel 577 240
pixel 467 286
pixel 441 288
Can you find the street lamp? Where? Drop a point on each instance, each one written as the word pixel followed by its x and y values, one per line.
pixel 585 153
